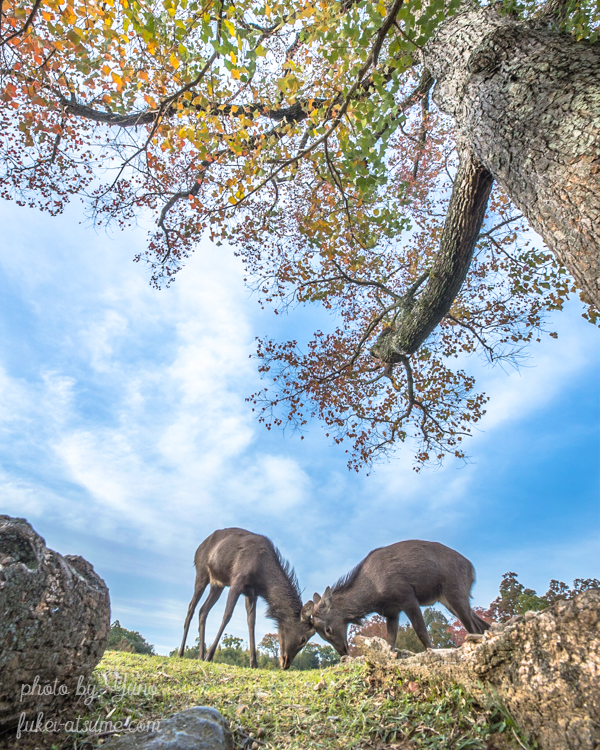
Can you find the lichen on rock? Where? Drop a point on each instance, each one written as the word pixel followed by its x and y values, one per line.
pixel 545 668
pixel 54 623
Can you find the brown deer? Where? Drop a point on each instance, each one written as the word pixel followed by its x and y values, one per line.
pixel 400 578
pixel 250 565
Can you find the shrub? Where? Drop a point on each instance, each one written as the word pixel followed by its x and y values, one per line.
pixel 121 639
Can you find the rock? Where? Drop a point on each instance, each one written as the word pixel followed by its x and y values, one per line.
pixel 54 623
pixel 198 728
pixel 375 650
pixel 353 660
pixel 404 653
pixel 545 668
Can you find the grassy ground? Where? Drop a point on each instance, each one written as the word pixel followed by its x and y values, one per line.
pixel 348 706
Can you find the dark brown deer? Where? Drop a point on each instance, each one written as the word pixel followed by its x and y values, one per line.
pixel 250 565
pixel 400 578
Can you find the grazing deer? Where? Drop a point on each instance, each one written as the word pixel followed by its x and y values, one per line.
pixel 250 565
pixel 400 578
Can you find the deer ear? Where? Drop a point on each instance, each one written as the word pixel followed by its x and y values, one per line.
pixel 316 598
pixel 307 612
pixel 325 603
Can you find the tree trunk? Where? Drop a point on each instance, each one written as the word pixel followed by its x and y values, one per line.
pixel 526 101
pixel 417 319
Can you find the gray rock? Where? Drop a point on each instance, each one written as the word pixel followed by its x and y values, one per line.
pixel 54 623
pixel 198 728
pixel 375 650
pixel 545 668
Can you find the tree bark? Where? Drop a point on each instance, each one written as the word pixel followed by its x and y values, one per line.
pixel 526 101
pixel 418 318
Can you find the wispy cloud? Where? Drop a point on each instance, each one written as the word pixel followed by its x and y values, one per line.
pixel 123 422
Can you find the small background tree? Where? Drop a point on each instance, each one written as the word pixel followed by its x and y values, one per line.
pixel 270 645
pixel 438 626
pixel 121 639
pixel 515 599
pixel 233 651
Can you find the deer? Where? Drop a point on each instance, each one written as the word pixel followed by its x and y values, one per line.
pixel 400 578
pixel 251 565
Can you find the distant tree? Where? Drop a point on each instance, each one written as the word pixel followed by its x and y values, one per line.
pixel 408 640
pixel 328 656
pixel 315 656
pixel 308 658
pixel 270 645
pixel 121 639
pixel 558 590
pixel 515 599
pixel 457 631
pixel 232 652
pixel 191 652
pixel 438 627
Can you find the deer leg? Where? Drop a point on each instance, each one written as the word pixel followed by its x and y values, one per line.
pixel 483 625
pixel 212 598
pixel 392 630
pixel 462 610
pixel 414 614
pixel 199 586
pixel 251 612
pixel 234 595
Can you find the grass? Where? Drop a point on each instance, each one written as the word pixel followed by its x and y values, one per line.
pixel 348 706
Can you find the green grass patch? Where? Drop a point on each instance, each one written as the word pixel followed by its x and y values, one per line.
pixel 347 707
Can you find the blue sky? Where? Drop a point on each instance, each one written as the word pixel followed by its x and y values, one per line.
pixel 125 436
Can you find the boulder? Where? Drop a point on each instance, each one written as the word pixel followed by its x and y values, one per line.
pixel 545 667
pixel 54 624
pixel 374 650
pixel 198 728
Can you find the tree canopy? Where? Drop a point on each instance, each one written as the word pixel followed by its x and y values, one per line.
pixel 121 639
pixel 301 132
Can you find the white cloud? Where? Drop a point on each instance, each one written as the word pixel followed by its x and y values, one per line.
pixel 100 337
pixel 125 427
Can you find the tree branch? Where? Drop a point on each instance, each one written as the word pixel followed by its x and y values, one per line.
pixel 26 25
pixel 417 320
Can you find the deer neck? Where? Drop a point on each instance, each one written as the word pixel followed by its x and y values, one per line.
pixel 352 603
pixel 283 600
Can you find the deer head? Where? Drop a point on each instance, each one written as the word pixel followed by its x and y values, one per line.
pixel 293 637
pixel 328 623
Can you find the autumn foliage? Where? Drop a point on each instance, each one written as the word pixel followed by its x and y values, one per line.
pixel 300 132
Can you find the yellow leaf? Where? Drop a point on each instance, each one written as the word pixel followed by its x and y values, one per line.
pixel 174 60
pixel 235 74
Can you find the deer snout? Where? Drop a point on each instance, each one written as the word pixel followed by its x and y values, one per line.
pixel 284 661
